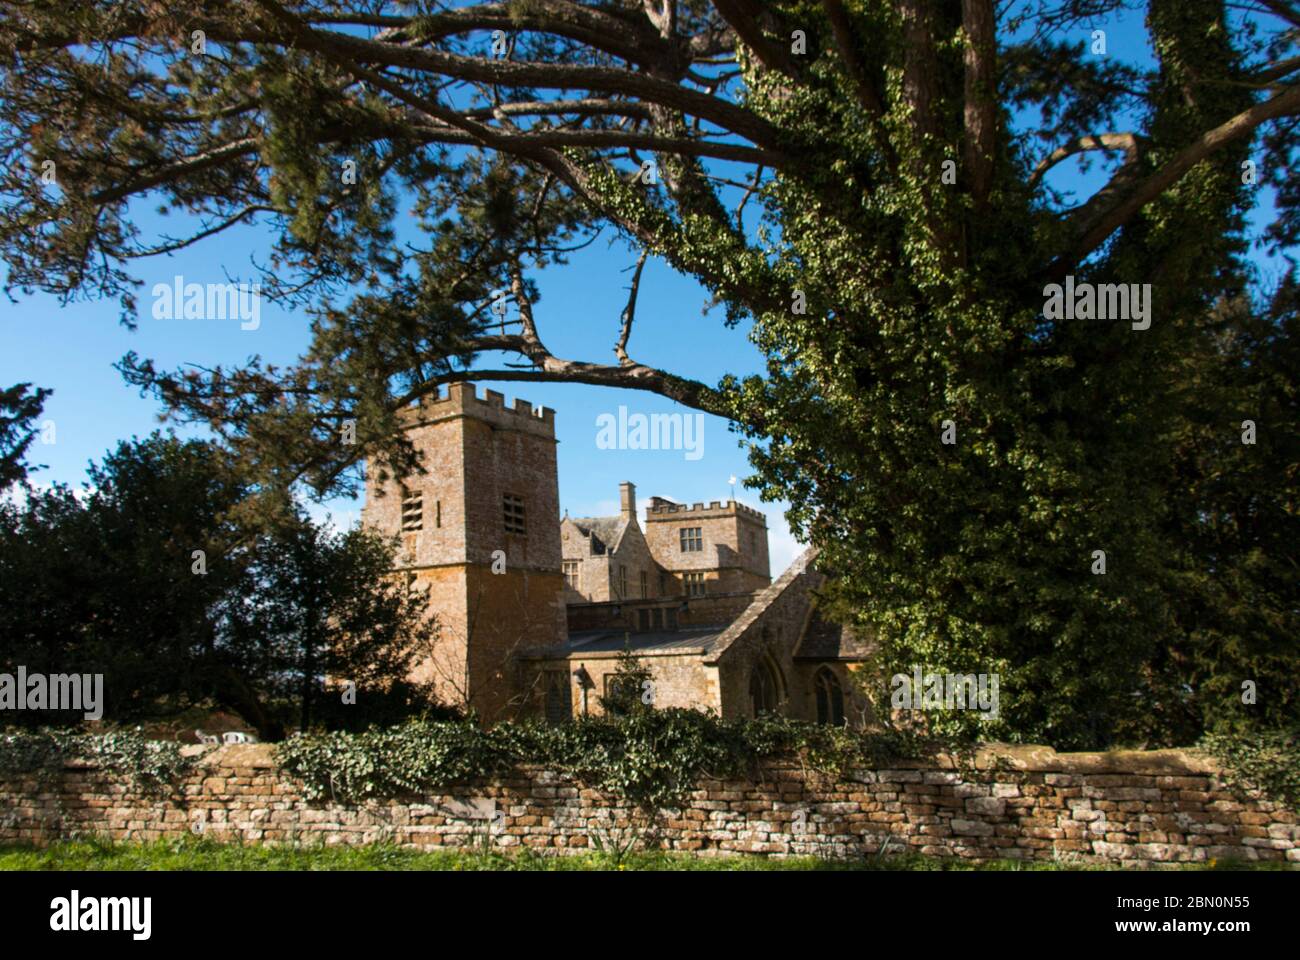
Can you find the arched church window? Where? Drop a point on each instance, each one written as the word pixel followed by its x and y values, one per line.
pixel 559 707
pixel 830 697
pixel 764 688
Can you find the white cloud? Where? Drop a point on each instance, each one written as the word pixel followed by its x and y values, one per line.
pixel 782 547
pixel 341 517
pixel 17 494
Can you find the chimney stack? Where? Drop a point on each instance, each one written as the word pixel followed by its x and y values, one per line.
pixel 627 501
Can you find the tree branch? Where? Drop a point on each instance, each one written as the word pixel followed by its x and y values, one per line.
pixel 1128 142
pixel 742 16
pixel 981 108
pixel 1114 205
pixel 844 45
pixel 637 376
pixel 357 50
pixel 629 312
pixel 200 161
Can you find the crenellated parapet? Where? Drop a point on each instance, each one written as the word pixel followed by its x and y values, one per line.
pixel 462 400
pixel 661 509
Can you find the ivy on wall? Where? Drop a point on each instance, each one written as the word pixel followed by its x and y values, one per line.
pixel 650 759
pixel 1264 761
pixel 151 765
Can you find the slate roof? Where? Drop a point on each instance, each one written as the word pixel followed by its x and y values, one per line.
pixel 686 640
pixel 765 598
pixel 824 640
pixel 609 530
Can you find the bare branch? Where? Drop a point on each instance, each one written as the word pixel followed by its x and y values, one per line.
pixel 606 139
pixel 629 312
pixel 1284 10
pixel 200 161
pixel 589 107
pixel 750 189
pixel 216 228
pixel 1128 142
pixel 637 376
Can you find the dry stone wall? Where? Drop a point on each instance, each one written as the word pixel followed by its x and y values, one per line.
pixel 1025 802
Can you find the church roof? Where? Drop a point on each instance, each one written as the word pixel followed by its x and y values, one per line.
pixel 794 574
pixel 825 640
pixel 609 530
pixel 684 640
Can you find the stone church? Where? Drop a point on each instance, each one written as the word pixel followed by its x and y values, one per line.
pixel 534 609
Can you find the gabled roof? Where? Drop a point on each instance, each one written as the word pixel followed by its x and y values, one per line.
pixel 824 640
pixel 800 568
pixel 609 530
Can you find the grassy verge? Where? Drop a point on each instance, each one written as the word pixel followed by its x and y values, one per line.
pixel 202 854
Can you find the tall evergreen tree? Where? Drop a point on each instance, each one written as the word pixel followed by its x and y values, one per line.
pixel 19 408
pixel 970 459
pixel 153 577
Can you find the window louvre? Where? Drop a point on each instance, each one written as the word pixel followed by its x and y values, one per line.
pixel 514 514
pixel 412 511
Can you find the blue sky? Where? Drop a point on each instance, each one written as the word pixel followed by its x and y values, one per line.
pixel 72 349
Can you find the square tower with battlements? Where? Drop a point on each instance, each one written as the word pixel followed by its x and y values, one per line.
pixel 714 548
pixel 480 534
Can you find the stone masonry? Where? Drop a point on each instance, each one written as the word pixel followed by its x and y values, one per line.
pixel 1132 808
pixel 489 493
pixel 735 554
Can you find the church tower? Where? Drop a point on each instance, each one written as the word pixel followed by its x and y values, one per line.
pixel 480 533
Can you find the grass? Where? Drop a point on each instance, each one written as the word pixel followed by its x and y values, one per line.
pixel 205 854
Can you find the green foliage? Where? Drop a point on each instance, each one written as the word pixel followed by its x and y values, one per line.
pixel 650 758
pixel 924 295
pixel 1071 436
pixel 107 582
pixel 202 853
pixel 18 410
pixel 1267 761
pixel 152 766
pixel 628 691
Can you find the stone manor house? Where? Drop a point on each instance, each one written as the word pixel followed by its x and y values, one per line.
pixel 534 609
